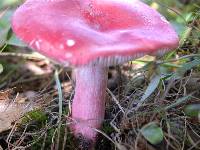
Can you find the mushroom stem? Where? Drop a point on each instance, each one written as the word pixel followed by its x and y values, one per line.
pixel 88 106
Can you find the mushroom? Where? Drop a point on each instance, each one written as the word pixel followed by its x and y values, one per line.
pixel 91 35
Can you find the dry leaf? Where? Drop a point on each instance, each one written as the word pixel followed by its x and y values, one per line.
pixel 4 95
pixel 11 111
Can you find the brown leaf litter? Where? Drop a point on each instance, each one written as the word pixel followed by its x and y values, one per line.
pixel 12 110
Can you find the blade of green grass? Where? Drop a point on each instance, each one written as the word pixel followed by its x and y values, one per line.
pixel 179 102
pixel 150 89
pixel 60 97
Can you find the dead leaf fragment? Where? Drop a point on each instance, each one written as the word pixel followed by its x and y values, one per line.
pixel 11 111
pixel 4 95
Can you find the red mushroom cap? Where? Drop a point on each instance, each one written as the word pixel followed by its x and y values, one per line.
pixel 78 32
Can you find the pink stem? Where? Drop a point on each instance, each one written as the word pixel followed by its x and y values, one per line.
pixel 88 106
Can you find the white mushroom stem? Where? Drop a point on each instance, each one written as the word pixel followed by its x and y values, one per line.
pixel 88 106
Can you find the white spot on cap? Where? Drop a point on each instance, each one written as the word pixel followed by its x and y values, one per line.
pixel 32 42
pixel 163 19
pixel 61 46
pixel 37 44
pixel 68 55
pixel 70 42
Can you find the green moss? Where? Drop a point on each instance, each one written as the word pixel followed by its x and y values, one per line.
pixel 37 116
